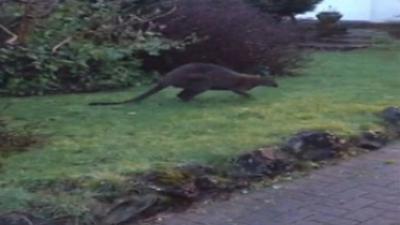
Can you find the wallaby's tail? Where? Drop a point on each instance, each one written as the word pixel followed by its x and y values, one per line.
pixel 148 93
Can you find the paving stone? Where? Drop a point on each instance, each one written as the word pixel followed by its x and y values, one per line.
pixel 387 206
pixel 380 197
pixel 392 216
pixel 296 216
pixel 357 204
pixel 329 210
pixel 382 221
pixel 306 222
pixel 332 220
pixel 259 218
pixel 364 214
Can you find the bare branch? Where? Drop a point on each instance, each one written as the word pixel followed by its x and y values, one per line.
pixel 14 37
pixel 62 43
pixel 157 16
pixel 144 20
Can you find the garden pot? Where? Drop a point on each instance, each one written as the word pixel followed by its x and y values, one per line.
pixel 329 17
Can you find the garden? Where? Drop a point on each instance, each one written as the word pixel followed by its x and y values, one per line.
pixel 59 156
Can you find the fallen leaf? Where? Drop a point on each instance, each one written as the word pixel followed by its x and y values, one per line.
pixel 390 162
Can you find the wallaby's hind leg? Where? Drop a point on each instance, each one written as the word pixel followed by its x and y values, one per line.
pixel 188 94
pixel 242 93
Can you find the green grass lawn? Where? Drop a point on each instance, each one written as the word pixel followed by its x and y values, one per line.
pixel 339 92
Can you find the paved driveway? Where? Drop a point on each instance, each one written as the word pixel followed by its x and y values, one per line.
pixel 361 191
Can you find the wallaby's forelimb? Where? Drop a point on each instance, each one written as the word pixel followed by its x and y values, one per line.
pixel 139 98
pixel 242 93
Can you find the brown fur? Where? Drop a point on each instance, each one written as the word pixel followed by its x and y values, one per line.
pixel 196 78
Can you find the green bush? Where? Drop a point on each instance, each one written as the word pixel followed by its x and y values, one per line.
pixel 102 52
pixel 80 67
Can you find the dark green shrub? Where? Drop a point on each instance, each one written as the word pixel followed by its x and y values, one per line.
pixel 232 34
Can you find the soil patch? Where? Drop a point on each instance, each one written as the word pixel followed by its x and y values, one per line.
pixel 14 141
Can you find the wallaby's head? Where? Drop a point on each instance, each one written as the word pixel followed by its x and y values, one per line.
pixel 268 81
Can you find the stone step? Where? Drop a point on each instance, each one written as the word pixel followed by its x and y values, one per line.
pixel 351 40
pixel 332 40
pixel 368 34
pixel 332 47
pixel 352 36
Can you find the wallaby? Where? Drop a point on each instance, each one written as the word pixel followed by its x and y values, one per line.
pixel 196 78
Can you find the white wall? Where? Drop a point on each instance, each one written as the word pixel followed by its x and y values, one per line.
pixel 368 10
pixel 385 10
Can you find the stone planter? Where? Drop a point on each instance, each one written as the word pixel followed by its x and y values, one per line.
pixel 329 17
pixel 329 23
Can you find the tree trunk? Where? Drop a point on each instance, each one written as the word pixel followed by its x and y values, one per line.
pixel 293 18
pixel 26 24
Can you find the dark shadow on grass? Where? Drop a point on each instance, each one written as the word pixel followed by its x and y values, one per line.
pixel 208 99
